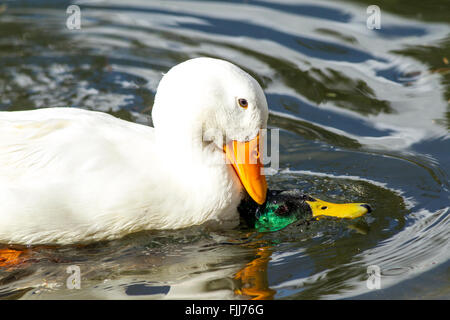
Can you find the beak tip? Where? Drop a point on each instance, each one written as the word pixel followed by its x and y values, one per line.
pixel 260 201
pixel 258 197
pixel 365 205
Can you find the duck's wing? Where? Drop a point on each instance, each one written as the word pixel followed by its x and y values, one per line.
pixel 31 146
pixel 63 174
pixel 64 140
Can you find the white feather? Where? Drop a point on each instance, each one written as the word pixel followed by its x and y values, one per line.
pixel 70 175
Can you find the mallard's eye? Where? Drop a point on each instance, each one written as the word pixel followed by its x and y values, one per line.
pixel 282 210
pixel 243 103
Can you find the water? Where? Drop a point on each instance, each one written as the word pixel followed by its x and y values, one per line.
pixel 364 116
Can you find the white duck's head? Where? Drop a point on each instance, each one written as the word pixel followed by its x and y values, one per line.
pixel 210 101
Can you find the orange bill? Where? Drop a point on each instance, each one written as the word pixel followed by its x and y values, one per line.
pixel 245 158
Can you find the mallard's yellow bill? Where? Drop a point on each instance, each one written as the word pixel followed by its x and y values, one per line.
pixel 344 210
pixel 245 158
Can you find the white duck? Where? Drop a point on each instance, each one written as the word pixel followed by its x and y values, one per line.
pixel 70 175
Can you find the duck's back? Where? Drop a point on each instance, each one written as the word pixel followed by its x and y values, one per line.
pixel 62 169
pixel 69 175
pixel 63 140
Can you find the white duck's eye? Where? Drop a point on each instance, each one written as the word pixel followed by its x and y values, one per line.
pixel 243 103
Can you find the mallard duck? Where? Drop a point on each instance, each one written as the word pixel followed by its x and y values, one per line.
pixel 284 207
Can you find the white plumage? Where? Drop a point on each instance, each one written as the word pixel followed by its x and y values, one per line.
pixel 70 175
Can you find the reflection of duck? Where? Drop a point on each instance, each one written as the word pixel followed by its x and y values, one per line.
pixel 253 277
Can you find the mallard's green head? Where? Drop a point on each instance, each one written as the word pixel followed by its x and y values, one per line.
pixel 285 207
pixel 275 217
pixel 282 208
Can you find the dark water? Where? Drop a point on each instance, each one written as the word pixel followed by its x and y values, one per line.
pixel 363 115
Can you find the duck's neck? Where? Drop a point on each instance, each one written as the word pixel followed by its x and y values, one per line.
pixel 199 173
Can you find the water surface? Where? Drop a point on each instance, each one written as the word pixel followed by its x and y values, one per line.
pixel 363 116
